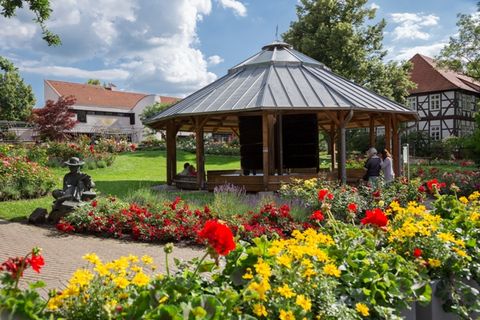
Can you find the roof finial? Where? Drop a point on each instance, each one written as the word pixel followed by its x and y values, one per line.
pixel 276 33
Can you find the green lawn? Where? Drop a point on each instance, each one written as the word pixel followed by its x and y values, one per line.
pixel 130 172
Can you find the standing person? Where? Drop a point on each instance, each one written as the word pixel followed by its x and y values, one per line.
pixel 372 167
pixel 387 167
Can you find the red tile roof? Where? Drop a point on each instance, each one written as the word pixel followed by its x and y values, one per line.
pixel 93 95
pixel 429 77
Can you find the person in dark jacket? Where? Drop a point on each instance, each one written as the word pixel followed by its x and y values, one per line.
pixel 372 167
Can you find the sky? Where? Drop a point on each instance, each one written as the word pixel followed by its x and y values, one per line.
pixel 175 47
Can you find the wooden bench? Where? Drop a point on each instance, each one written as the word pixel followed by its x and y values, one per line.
pixel 185 182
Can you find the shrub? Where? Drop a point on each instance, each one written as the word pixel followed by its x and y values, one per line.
pixel 21 178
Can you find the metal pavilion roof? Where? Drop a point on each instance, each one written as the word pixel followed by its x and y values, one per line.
pixel 281 78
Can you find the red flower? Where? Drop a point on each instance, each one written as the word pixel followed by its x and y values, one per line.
pixel 218 235
pixel 417 252
pixel 431 184
pixel 92 149
pixel 94 203
pixel 421 189
pixel 352 207
pixel 376 194
pixel 375 217
pixel 324 193
pixel 37 262
pixel 317 215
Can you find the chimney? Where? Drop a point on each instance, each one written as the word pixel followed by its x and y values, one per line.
pixel 110 86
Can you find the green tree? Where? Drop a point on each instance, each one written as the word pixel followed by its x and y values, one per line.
pixel 16 98
pixel 94 82
pixel 42 11
pixel 462 53
pixel 337 34
pixel 152 110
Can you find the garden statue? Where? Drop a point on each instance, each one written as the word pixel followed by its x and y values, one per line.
pixel 76 189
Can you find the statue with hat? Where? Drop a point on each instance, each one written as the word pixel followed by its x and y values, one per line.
pixel 77 188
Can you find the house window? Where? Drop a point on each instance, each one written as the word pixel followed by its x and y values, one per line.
pixel 435 132
pixel 412 103
pixel 82 116
pixel 132 119
pixel 434 102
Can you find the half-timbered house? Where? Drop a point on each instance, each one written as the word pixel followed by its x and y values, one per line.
pixel 445 100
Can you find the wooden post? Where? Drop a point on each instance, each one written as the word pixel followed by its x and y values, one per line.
pixel 343 146
pixel 332 146
pixel 372 131
pixel 388 133
pixel 200 154
pixel 271 143
pixel 280 143
pixel 265 150
pixel 171 151
pixel 396 147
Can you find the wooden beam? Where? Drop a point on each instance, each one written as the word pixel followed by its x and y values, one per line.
pixel 333 117
pixel 372 131
pixel 234 130
pixel 332 146
pixel 271 142
pixel 344 120
pixel 265 140
pixel 388 132
pixel 280 143
pixel 200 154
pixel 172 130
pixel 396 146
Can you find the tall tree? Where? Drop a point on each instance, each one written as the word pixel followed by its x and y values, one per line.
pixel 42 11
pixel 340 34
pixel 152 110
pixel 16 98
pixel 94 82
pixel 55 119
pixel 462 54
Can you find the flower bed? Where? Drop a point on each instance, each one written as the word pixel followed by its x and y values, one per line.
pixel 372 269
pixel 21 178
pixel 467 181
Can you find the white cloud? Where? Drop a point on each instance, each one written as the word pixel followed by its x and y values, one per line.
pixel 144 45
pixel 214 60
pixel 411 25
pixel 374 6
pixel 57 71
pixel 237 6
pixel 408 52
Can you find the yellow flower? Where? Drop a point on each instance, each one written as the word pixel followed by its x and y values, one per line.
pixel 81 277
pixel 141 279
pixel 331 270
pixel 434 263
pixel 163 299
pixel 362 309
pixel 446 237
pixel 286 315
pixel 263 269
pixel 463 200
pixel 286 291
pixel 475 216
pixel 248 275
pixel 260 310
pixel 132 258
pixel 136 268
pixel 285 260
pixel 121 282
pixel 147 259
pixel 55 303
pixel 199 312
pixel 303 302
pixel 101 269
pixel 111 304
pixel 460 252
pixel 92 258
pixel 474 196
pixel 260 288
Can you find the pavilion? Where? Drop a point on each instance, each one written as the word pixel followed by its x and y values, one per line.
pixel 276 102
